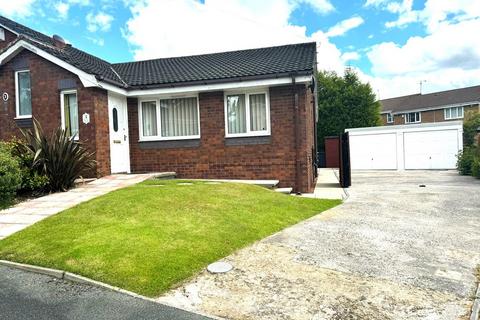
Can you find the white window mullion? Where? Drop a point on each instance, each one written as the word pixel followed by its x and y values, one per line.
pixel 159 122
pixel 247 112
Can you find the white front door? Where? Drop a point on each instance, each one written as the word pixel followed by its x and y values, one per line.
pixel 119 144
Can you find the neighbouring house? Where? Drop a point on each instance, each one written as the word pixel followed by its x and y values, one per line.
pixel 433 107
pixel 248 114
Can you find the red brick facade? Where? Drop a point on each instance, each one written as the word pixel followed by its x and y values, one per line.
pixel 275 157
pixel 45 78
pixel 286 155
pixel 9 37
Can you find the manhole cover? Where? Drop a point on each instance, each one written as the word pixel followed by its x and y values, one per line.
pixel 219 267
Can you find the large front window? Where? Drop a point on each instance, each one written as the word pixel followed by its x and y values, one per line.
pixel 23 93
pixel 453 113
pixel 69 106
pixel 413 117
pixel 247 114
pixel 169 119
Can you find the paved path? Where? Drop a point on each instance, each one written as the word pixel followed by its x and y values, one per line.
pixel 393 250
pixel 29 212
pixel 328 186
pixel 25 295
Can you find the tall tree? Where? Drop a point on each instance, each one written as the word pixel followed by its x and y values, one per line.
pixel 344 102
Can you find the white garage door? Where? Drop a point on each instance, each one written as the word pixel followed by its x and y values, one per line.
pixel 431 149
pixel 373 151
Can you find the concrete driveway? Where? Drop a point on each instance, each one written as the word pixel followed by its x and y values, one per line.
pixel 393 250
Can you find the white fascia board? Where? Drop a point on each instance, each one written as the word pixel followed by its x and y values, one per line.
pixel 88 80
pixel 444 125
pixel 203 88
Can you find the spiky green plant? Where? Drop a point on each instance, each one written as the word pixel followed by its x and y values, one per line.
pixel 58 156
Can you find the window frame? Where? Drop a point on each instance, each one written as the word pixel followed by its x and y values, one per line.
pixel 17 96
pixel 247 94
pixel 419 117
pixel 390 118
pixel 62 109
pixel 158 137
pixel 450 108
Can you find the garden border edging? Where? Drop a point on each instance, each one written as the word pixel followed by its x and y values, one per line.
pixel 64 275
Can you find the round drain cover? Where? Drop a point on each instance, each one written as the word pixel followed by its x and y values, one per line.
pixel 219 267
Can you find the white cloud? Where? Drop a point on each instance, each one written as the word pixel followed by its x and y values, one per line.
pixel 16 8
pixel 62 9
pixel 445 58
pixel 98 41
pixel 219 25
pixel 350 56
pixel 99 22
pixel 344 26
pixel 321 6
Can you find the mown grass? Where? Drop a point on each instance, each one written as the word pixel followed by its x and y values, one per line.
pixel 151 236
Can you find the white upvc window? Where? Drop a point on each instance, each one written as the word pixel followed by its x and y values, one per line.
pixel 172 118
pixel 23 94
pixel 413 117
pixel 454 113
pixel 69 112
pixel 247 114
pixel 389 118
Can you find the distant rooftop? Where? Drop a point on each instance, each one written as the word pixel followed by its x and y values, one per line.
pixel 432 100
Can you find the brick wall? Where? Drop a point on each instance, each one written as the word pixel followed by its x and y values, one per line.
pixel 9 37
pixel 273 158
pixel 45 78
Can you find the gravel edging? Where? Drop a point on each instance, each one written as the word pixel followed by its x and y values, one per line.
pixel 60 274
pixel 476 305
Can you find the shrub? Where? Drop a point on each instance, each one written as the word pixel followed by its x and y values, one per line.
pixel 470 126
pixel 57 156
pixel 32 179
pixel 476 167
pixel 465 161
pixel 10 175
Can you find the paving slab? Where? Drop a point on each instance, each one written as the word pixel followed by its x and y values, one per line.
pixel 392 250
pixel 29 212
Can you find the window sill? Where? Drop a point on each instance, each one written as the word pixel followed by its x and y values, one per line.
pixel 22 117
pixel 156 139
pixel 248 140
pixel 247 135
pixel 169 144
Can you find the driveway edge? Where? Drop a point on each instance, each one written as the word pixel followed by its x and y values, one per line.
pixel 64 275
pixel 476 305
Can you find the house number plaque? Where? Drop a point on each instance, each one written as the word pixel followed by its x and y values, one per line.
pixel 5 96
pixel 86 118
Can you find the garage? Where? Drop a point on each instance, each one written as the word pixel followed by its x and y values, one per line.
pixel 428 146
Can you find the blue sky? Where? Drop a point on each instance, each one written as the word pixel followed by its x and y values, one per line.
pixel 393 44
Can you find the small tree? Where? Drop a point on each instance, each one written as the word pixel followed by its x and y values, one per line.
pixel 344 102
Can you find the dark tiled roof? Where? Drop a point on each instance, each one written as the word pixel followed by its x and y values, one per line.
pixel 80 59
pixel 233 65
pixel 431 100
pixel 240 65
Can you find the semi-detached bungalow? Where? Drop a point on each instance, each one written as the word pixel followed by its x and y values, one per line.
pixel 247 114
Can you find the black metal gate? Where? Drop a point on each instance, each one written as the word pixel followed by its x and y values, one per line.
pixel 345 170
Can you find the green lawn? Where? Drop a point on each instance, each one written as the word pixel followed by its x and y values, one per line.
pixel 151 236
